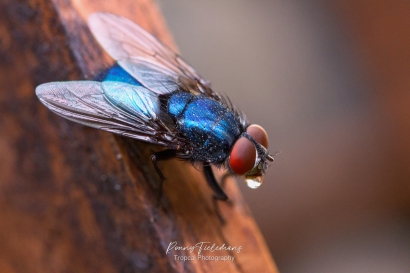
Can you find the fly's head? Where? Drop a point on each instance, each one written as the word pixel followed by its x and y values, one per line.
pixel 249 155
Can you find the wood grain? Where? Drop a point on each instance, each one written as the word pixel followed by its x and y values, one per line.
pixel 75 199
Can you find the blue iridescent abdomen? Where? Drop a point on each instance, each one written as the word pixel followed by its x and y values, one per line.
pixel 210 126
pixel 126 93
pixel 118 74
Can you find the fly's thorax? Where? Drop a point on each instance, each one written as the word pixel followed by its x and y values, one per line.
pixel 249 154
pixel 209 125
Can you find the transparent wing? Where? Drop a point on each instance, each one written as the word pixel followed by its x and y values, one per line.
pixel 115 107
pixel 154 65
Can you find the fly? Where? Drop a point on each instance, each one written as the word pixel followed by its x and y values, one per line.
pixel 153 95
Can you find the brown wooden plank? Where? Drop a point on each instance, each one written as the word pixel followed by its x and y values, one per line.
pixel 75 199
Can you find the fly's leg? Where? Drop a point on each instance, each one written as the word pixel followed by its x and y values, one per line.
pixel 219 194
pixel 161 156
pixel 210 178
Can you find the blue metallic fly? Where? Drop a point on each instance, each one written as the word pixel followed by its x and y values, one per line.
pixel 153 95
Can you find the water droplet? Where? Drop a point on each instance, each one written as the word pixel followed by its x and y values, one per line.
pixel 254 182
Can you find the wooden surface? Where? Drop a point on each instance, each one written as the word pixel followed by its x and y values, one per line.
pixel 75 199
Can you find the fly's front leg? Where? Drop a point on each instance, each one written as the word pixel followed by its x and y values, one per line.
pixel 210 178
pixel 219 194
pixel 161 156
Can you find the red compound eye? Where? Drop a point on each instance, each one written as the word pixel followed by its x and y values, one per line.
pixel 258 134
pixel 243 154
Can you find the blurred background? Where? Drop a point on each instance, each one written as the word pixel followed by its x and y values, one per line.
pixel 329 81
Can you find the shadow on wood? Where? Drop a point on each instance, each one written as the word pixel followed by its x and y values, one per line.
pixel 75 199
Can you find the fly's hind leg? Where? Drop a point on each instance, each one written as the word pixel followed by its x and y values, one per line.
pixel 161 156
pixel 219 194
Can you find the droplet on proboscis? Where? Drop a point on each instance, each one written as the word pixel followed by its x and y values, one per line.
pixel 254 182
